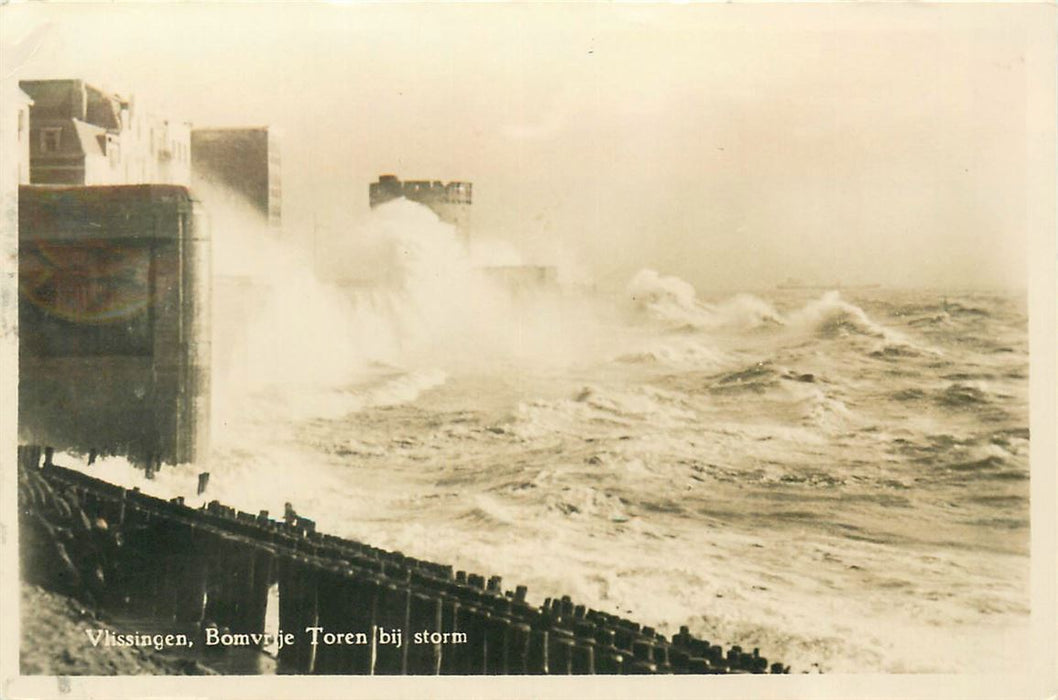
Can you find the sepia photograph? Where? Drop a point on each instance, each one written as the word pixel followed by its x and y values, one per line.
pixel 460 341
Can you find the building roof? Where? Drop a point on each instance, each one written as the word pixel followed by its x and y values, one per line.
pixel 74 98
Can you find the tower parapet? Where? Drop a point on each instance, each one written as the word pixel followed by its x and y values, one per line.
pixel 450 201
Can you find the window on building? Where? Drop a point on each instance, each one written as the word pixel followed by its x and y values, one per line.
pixel 50 139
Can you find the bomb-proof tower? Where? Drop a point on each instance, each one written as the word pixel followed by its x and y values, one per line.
pixel 451 201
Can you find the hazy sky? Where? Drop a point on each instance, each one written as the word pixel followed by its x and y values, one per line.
pixel 732 145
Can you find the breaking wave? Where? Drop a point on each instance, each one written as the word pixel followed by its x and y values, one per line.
pixel 674 302
pixel 831 316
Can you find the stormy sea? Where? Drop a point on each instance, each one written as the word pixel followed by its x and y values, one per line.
pixel 839 477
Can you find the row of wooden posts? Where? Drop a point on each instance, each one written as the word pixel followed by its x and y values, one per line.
pixel 215 567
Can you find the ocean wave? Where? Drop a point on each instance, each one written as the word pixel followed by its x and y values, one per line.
pixel 831 316
pixel 1010 475
pixel 678 352
pixel 990 462
pixel 489 513
pixel 404 388
pixel 941 310
pixel 1013 440
pixel 647 401
pixel 666 298
pixel 821 409
pixel 756 378
pixel 312 402
pixel 593 405
pixel 811 477
pixel 941 320
pixel 674 302
pixel 951 460
pixel 961 395
pixel 895 351
pixel 357 448
pixel 746 311
pixel 969 376
pixel 908 395
pixel 586 502
pixel 957 309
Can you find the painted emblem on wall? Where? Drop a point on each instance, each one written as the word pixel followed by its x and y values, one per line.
pixel 87 282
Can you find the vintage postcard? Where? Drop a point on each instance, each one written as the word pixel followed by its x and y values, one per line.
pixel 514 349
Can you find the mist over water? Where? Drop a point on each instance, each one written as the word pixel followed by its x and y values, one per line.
pixel 840 479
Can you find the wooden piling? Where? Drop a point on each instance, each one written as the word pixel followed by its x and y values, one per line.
pixel 518 643
pixel 497 630
pixel 451 657
pixel 297 610
pixel 560 655
pixel 220 599
pixel 288 612
pixel 393 608
pixel 191 586
pixel 330 590
pixel 358 608
pixel 264 576
pixel 173 540
pixel 425 618
pixel 584 657
pixel 539 644
pixel 472 621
